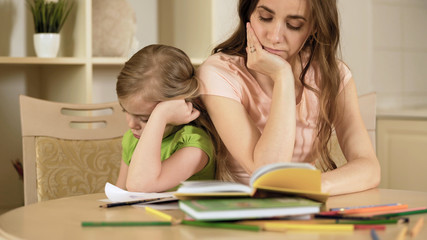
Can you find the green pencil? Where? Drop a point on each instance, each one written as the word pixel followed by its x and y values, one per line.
pixel 403 213
pixel 124 224
pixel 222 225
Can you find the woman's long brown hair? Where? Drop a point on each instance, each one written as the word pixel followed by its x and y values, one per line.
pixel 321 46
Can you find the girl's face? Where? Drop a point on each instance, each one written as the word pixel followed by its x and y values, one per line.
pixel 282 26
pixel 138 112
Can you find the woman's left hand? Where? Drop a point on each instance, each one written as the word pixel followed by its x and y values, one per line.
pixel 262 61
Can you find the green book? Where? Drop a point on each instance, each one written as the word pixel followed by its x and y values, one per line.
pixel 216 209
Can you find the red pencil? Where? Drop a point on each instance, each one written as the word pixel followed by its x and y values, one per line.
pixel 368 226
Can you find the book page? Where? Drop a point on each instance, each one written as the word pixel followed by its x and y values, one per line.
pixel 116 194
pixel 212 186
pixel 271 167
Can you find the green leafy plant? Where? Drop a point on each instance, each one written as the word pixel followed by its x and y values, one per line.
pixel 49 16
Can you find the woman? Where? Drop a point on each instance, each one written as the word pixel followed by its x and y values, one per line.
pixel 276 91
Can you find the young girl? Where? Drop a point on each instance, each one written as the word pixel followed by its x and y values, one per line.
pixel 279 76
pixel 170 138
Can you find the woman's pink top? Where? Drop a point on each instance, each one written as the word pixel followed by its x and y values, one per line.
pixel 227 76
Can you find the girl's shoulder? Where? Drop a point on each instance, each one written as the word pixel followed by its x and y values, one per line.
pixel 188 133
pixel 191 129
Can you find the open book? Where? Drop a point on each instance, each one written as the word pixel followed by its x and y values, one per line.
pixel 295 179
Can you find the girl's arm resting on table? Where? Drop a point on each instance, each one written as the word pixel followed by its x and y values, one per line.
pixel 362 170
pixel 147 173
pixel 123 172
pixel 180 166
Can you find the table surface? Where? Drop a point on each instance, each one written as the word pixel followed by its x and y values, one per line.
pixel 61 219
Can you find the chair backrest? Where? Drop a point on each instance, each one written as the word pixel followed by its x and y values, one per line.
pixel 368 111
pixel 69 149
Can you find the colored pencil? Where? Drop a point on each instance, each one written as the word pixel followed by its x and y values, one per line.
pixel 402 233
pixel 124 224
pixel 262 223
pixel 374 209
pixel 342 217
pixel 402 213
pixel 308 227
pixel 118 204
pixel 310 221
pixel 374 235
pixel 160 214
pixel 369 226
pixel 366 206
pixel 417 227
pixel 222 225
pixel 376 221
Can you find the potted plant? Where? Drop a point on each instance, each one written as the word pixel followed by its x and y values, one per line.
pixel 49 17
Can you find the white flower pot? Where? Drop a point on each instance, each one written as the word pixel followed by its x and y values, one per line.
pixel 46 44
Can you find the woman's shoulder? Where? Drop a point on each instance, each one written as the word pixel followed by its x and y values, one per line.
pixel 221 61
pixel 223 75
pixel 312 76
pixel 344 69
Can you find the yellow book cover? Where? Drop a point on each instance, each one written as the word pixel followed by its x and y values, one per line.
pixel 295 179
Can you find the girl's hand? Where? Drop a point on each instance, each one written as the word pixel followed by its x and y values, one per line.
pixel 176 112
pixel 262 61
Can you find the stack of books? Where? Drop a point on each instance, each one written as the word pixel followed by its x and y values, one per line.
pixel 276 191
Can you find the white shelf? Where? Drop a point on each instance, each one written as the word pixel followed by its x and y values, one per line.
pixel 108 61
pixel 42 61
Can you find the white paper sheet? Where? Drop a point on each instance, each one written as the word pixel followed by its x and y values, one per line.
pixel 116 194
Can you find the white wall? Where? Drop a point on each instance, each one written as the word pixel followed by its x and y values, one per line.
pixel 400 52
pixel 224 18
pixel 384 43
pixel 356 41
pixel 104 78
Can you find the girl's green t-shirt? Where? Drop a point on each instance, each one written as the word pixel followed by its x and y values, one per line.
pixel 187 136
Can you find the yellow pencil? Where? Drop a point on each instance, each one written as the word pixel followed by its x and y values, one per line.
pixel 402 233
pixel 308 227
pixel 160 214
pixel 417 227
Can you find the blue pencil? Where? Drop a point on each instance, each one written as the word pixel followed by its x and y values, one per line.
pixel 366 206
pixel 374 235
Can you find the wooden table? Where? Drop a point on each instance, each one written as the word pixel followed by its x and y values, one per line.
pixel 61 219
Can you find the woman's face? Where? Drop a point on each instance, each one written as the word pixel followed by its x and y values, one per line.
pixel 282 26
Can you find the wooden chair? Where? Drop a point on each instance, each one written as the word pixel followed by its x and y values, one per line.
pixel 368 110
pixel 69 149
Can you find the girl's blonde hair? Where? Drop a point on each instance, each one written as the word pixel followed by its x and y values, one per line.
pixel 321 46
pixel 162 73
